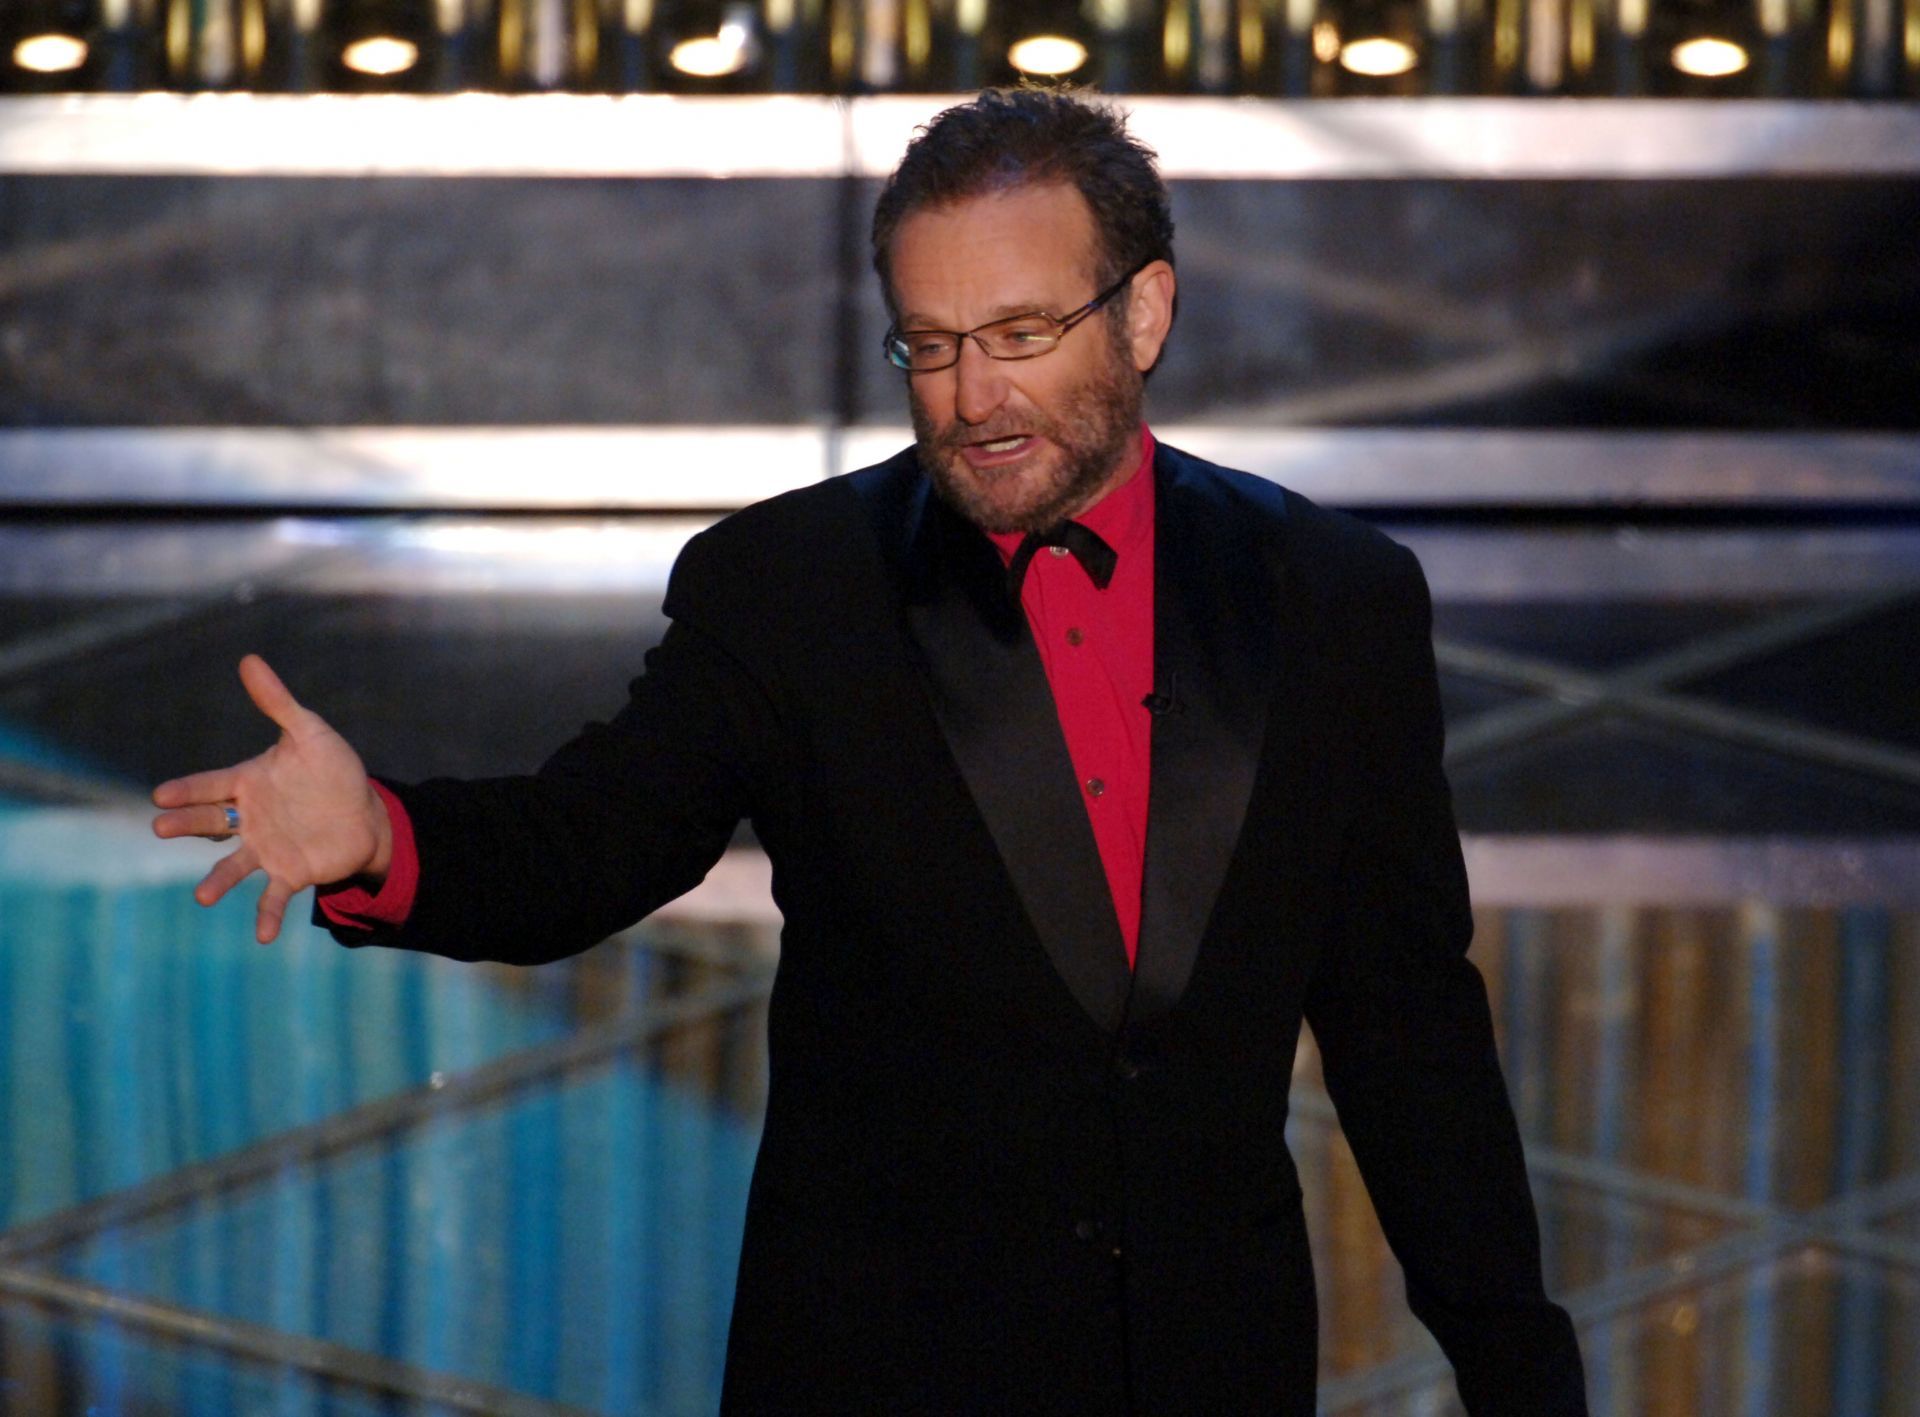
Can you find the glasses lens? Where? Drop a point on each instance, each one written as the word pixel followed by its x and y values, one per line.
pixel 1019 338
pixel 922 349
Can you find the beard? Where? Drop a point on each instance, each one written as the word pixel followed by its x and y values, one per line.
pixel 1089 436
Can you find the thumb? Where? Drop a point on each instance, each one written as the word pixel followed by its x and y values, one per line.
pixel 270 695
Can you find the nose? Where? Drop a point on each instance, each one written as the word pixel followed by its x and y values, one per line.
pixel 980 385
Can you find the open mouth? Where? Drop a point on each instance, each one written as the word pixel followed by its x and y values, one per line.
pixel 999 450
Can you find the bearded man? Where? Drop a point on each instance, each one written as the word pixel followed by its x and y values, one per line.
pixel 1087 770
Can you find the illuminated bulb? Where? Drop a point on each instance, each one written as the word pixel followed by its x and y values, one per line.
pixel 50 53
pixel 381 56
pixel 1709 58
pixel 1326 41
pixel 1047 54
pixel 713 56
pixel 1377 58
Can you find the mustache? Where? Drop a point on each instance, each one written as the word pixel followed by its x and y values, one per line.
pixel 959 435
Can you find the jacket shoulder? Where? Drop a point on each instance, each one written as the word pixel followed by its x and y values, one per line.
pixel 793 542
pixel 1332 555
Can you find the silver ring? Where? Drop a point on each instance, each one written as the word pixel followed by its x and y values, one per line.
pixel 233 817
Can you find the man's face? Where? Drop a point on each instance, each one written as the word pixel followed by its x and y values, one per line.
pixel 1016 445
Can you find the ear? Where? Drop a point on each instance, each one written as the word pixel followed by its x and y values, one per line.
pixel 1150 313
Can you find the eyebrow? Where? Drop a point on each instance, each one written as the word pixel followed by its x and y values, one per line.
pixel 913 321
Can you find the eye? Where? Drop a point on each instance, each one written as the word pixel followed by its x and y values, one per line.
pixel 1028 332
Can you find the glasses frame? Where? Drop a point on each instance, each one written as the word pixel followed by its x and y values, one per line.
pixel 1065 323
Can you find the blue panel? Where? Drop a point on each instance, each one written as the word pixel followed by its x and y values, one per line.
pixel 578 1243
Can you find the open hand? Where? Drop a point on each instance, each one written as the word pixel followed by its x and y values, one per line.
pixel 307 813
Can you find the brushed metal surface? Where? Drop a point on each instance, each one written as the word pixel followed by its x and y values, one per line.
pixel 695 468
pixel 788 136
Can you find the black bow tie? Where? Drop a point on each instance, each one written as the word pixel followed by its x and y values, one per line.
pixel 1094 555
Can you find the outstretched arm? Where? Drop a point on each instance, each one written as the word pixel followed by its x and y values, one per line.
pixel 629 815
pixel 308 816
pixel 1406 1037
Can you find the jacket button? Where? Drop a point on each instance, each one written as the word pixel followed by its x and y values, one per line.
pixel 1088 1230
pixel 1125 1068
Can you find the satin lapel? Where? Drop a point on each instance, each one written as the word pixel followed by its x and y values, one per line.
pixel 1214 632
pixel 990 694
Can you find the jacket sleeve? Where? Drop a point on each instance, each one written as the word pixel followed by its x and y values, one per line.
pixel 630 814
pixel 1406 1038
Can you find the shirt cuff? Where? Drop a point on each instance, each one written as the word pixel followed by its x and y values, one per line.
pixel 354 907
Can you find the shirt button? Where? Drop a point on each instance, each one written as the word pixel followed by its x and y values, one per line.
pixel 1058 550
pixel 1074 637
pixel 1095 787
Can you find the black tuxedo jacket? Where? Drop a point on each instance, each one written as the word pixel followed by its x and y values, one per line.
pixel 1000 1172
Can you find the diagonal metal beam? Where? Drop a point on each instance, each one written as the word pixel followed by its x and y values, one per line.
pixel 1637 689
pixel 273 1349
pixel 1781 735
pixel 89 634
pixel 40 783
pixel 1835 1225
pixel 379 1118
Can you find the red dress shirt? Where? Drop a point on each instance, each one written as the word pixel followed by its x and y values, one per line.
pixel 1097 647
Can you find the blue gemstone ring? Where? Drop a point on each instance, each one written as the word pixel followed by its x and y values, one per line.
pixel 233 818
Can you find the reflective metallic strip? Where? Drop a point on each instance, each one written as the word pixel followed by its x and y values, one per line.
pixel 651 468
pixel 1660 871
pixel 490 135
pixel 414 555
pixel 1476 137
pixel 1599 565
pixel 471 555
pixel 679 468
pixel 460 135
pixel 1384 467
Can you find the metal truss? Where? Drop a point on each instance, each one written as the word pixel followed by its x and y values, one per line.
pixel 1644 689
pixel 1769 1233
pixel 26 1247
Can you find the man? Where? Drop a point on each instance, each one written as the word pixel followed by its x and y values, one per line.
pixel 1034 1024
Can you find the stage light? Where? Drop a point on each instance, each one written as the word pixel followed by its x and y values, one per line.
pixel 1377 58
pixel 380 55
pixel 1047 54
pixel 714 56
pixel 50 53
pixel 1709 58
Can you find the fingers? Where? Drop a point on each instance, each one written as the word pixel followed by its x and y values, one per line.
pixel 272 909
pixel 207 821
pixel 234 868
pixel 215 785
pixel 229 871
pixel 270 696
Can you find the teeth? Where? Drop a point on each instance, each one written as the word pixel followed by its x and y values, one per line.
pixel 1005 444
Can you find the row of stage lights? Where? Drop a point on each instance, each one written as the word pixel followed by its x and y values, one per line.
pixel 1303 48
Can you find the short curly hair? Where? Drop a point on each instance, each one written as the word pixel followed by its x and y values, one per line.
pixel 1015 137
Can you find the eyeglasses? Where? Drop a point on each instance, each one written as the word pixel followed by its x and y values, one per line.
pixel 1015 337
